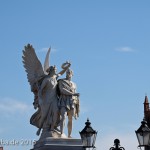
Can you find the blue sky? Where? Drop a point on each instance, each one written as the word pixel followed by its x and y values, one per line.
pixel 108 45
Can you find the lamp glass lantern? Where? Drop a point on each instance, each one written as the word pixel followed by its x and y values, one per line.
pixel 143 134
pixel 88 136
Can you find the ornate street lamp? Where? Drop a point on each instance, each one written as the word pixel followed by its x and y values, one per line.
pixel 88 136
pixel 143 135
pixel 117 145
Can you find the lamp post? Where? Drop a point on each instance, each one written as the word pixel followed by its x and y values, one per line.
pixel 88 136
pixel 143 135
pixel 117 145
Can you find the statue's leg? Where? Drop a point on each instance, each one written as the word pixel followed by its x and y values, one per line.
pixel 57 122
pixel 55 116
pixel 44 111
pixel 70 113
pixel 63 113
pixel 42 119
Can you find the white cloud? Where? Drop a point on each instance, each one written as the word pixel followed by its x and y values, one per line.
pixel 46 49
pixel 124 49
pixel 9 105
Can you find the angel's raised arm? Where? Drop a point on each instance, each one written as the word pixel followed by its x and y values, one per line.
pixel 64 66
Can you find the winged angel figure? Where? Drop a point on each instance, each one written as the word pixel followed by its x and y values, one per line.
pixel 43 81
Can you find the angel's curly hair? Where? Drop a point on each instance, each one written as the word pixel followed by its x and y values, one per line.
pixel 51 68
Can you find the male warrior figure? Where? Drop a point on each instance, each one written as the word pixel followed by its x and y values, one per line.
pixel 68 101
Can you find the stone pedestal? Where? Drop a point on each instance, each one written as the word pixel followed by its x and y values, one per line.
pixel 58 144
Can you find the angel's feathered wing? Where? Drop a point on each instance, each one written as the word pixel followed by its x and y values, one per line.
pixel 32 65
pixel 46 63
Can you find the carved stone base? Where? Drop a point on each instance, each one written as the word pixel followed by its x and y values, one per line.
pixel 58 144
